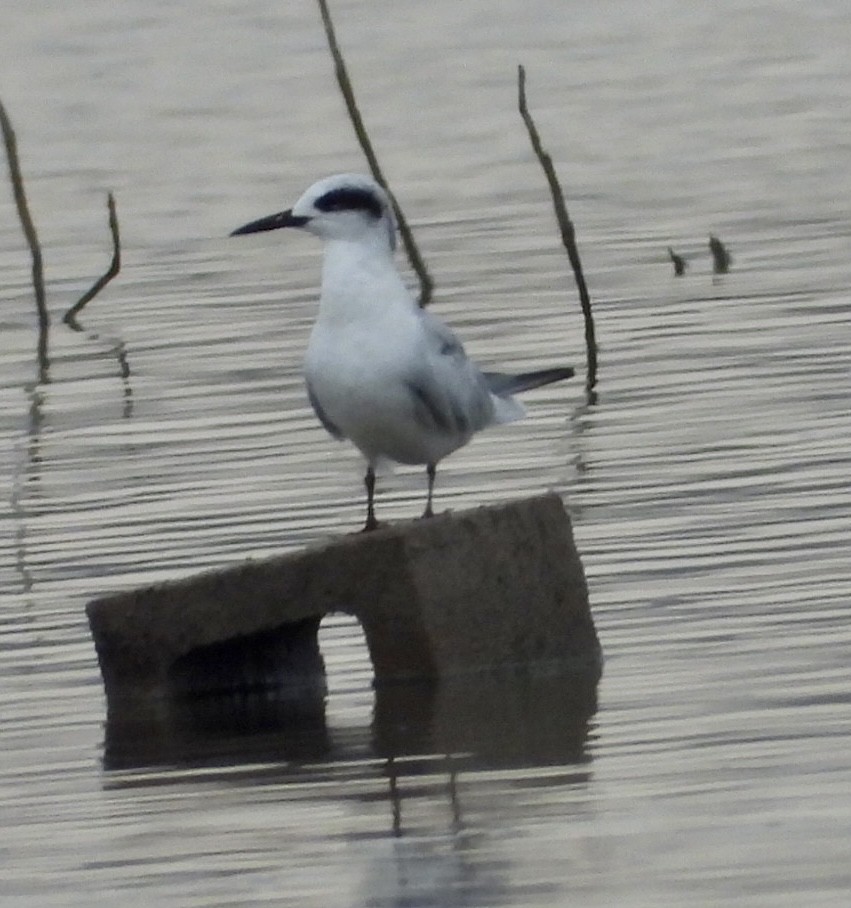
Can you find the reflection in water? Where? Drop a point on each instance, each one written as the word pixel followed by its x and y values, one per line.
pixel 245 727
pixel 34 427
pixel 443 869
pixel 488 722
pixel 120 351
pixel 26 484
pixel 478 722
pixel 26 481
pixel 466 726
pixel 429 743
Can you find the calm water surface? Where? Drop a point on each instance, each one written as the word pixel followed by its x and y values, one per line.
pixel 708 482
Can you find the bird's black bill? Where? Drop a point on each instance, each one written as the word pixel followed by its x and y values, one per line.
pixel 273 222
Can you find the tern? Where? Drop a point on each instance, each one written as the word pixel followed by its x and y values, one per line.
pixel 380 371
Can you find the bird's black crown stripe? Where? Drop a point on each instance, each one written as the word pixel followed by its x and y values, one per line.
pixel 350 198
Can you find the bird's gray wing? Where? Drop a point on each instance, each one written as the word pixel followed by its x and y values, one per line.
pixel 330 428
pixel 449 393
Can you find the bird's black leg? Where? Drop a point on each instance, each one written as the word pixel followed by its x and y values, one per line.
pixel 369 482
pixel 431 472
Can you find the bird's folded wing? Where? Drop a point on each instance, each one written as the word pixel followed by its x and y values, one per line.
pixel 449 391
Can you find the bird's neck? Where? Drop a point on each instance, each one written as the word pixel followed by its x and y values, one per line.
pixel 360 282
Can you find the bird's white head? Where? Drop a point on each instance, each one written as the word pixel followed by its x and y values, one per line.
pixel 347 206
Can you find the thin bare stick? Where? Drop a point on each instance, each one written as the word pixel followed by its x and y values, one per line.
pixel 70 317
pixel 568 234
pixel 721 258
pixel 32 239
pixel 413 253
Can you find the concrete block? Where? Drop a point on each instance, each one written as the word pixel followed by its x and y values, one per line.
pixel 494 588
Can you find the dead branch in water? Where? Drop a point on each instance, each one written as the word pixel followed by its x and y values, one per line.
pixel 413 253
pixel 70 317
pixel 680 263
pixel 721 258
pixel 32 239
pixel 568 234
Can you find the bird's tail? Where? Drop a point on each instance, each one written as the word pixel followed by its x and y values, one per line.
pixel 502 386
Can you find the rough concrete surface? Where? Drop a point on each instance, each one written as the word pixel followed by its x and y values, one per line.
pixel 491 588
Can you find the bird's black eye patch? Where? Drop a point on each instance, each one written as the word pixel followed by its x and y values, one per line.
pixel 350 198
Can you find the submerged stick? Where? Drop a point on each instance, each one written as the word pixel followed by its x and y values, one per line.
pixel 568 234
pixel 70 317
pixel 721 258
pixel 679 262
pixel 413 253
pixel 32 239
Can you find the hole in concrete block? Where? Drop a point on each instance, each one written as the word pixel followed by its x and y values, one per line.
pixel 349 668
pixel 285 659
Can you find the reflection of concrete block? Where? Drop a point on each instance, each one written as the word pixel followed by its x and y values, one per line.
pixel 490 588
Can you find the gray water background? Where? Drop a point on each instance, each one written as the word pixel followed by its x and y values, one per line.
pixel 708 483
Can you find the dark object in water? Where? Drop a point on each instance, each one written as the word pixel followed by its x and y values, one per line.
pixel 679 262
pixel 721 259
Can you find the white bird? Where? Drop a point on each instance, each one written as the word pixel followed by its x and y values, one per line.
pixel 382 372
